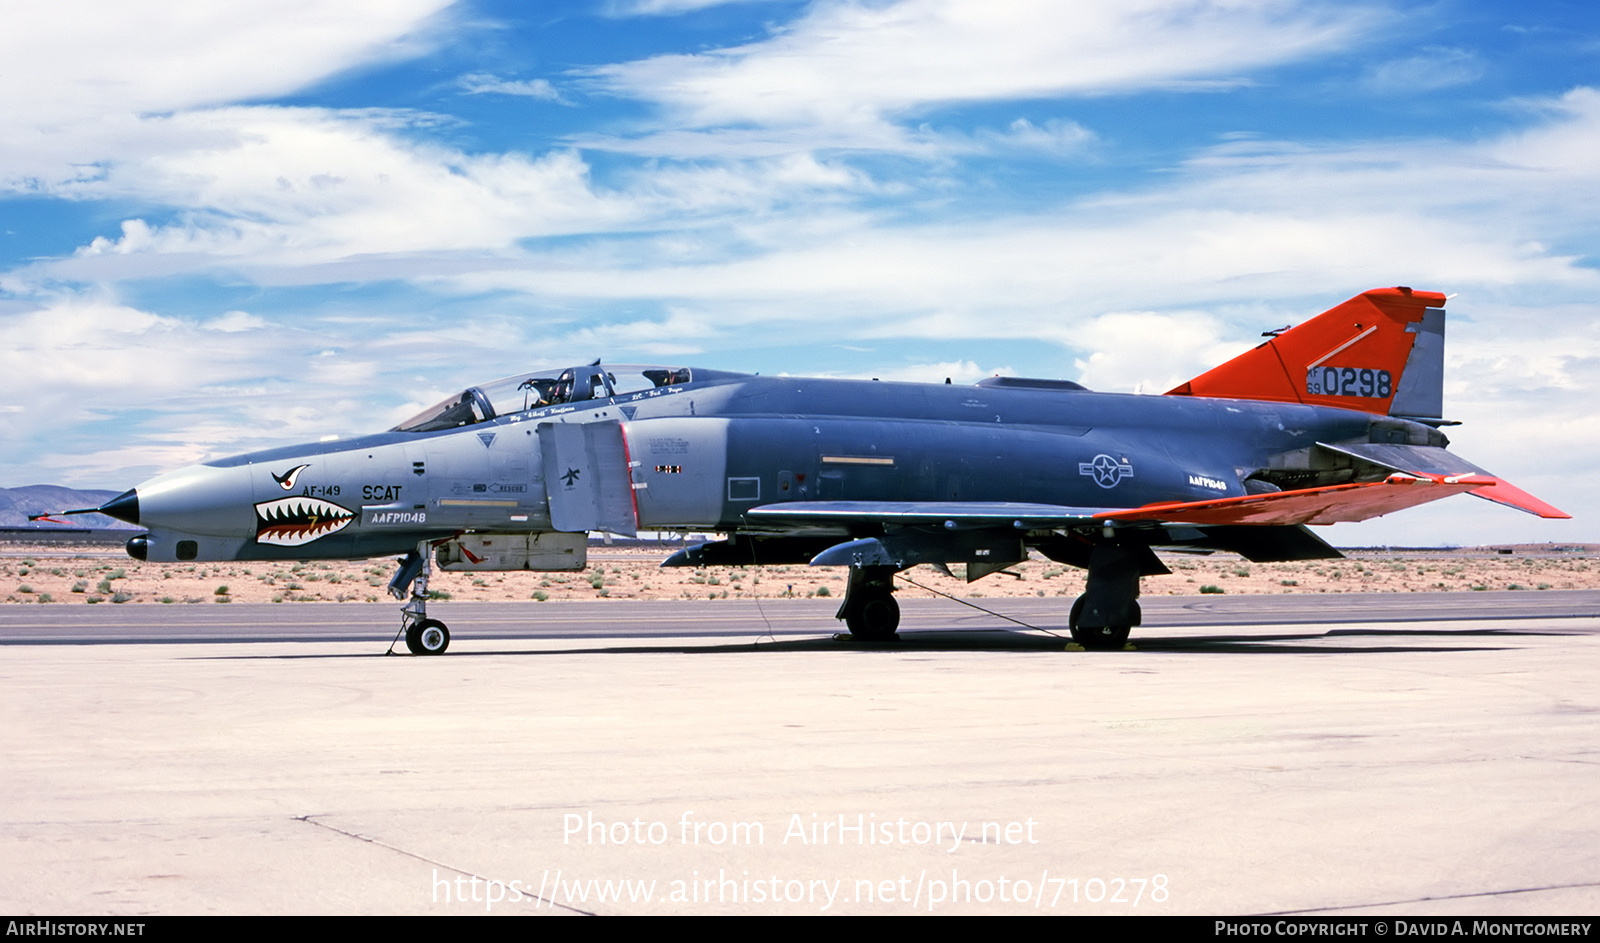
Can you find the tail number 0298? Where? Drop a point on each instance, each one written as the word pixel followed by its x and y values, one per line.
pixel 1349 381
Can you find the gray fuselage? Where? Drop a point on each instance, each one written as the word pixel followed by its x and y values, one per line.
pixel 698 456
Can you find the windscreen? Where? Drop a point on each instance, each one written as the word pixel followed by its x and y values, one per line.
pixel 527 391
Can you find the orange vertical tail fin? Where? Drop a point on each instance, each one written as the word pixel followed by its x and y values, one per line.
pixel 1380 352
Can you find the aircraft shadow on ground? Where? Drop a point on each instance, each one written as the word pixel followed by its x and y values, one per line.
pixel 1380 640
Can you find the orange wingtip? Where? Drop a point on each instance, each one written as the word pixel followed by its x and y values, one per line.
pixel 1503 492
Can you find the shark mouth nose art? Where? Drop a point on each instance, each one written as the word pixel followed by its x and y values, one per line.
pixel 291 522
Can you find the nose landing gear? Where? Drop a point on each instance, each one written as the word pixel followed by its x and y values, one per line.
pixel 424 636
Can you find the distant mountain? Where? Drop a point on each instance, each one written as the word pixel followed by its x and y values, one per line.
pixel 17 503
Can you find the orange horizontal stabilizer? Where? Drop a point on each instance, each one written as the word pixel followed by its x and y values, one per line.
pixel 1333 504
pixel 1502 492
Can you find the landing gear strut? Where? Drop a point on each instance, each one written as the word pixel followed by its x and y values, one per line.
pixel 869 609
pixel 424 636
pixel 1109 609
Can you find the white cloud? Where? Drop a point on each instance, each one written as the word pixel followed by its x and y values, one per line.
pixel 479 83
pixel 302 186
pixel 1536 182
pixel 1146 352
pixel 667 7
pixel 924 142
pixel 107 392
pixel 81 361
pixel 266 188
pixel 674 195
pixel 232 322
pixel 1433 69
pixel 1054 136
pixel 680 333
pixel 1563 146
pixel 1040 275
pixel 848 65
pixel 77 77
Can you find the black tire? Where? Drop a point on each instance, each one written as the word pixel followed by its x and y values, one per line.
pixel 874 618
pixel 1111 637
pixel 428 637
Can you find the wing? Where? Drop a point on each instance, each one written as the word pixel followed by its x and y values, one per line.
pixel 1263 527
pixel 982 534
pixel 1420 474
pixel 1333 504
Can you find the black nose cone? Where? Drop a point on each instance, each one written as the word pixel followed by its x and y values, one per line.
pixel 123 507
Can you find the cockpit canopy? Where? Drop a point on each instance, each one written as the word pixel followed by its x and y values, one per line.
pixel 524 391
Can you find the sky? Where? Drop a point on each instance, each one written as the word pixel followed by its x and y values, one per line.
pixel 231 226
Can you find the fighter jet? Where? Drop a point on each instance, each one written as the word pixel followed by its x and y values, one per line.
pixel 1337 419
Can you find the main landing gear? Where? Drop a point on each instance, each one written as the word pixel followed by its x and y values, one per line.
pixel 1108 609
pixel 424 636
pixel 869 609
pixel 1101 618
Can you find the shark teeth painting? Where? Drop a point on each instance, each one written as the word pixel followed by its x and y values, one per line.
pixel 291 522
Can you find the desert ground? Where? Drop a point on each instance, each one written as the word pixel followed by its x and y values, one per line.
pixel 88 574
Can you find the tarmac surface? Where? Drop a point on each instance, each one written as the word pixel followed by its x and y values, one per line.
pixel 1422 755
